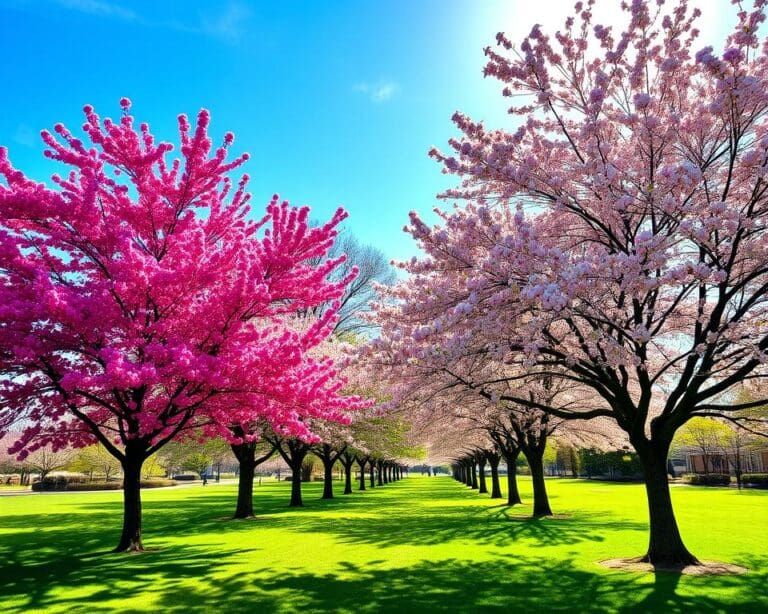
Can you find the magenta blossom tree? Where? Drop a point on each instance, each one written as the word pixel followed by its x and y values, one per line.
pixel 138 297
pixel 618 237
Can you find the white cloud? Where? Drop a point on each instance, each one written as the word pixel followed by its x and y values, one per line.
pixel 228 25
pixel 379 91
pixel 100 8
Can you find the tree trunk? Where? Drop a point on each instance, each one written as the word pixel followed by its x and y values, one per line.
pixel 379 467
pixel 473 477
pixel 362 474
pixel 327 479
pixel 296 487
pixel 130 538
pixel 493 461
pixel 246 458
pixel 513 494
pixel 481 482
pixel 372 466
pixel 665 547
pixel 540 498
pixel 348 476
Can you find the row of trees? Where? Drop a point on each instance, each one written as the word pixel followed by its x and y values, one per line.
pixel 609 260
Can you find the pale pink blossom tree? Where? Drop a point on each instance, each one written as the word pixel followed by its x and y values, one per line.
pixel 618 236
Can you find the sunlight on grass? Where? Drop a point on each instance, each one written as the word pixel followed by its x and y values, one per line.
pixel 426 544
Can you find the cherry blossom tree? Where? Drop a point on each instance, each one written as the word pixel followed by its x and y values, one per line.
pixel 617 237
pixel 139 299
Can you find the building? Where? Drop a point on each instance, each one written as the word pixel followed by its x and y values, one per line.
pixel 753 460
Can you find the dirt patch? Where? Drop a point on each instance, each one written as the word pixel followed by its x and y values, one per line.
pixel 706 568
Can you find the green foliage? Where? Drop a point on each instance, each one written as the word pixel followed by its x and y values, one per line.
pixel 705 434
pixel 550 453
pixel 96 459
pixel 616 463
pixel 709 479
pixel 757 479
pixel 387 437
pixel 197 461
pixel 152 467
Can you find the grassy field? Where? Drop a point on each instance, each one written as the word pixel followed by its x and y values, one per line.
pixel 419 545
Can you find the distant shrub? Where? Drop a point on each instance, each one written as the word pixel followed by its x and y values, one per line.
pixel 60 483
pixel 620 465
pixel 157 483
pixel 755 479
pixel 711 479
pixel 96 486
pixel 184 478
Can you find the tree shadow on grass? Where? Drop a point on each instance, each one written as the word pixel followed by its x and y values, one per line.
pixel 105 575
pixel 63 564
pixel 409 524
pixel 525 585
pixel 413 517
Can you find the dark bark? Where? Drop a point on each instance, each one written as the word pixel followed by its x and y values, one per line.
pixel 347 477
pixel 347 461
pixel 361 462
pixel 244 507
pixel 473 472
pixel 245 453
pixel 540 499
pixel 328 455
pixel 130 537
pixel 493 462
pixel 665 547
pixel 513 494
pixel 327 480
pixel 372 468
pixel 296 500
pixel 293 452
pixel 483 487
pixel 379 467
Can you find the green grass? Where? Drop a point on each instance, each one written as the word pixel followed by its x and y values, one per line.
pixel 419 545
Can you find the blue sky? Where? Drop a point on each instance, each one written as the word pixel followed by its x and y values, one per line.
pixel 337 102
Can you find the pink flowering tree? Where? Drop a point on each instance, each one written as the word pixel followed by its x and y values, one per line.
pixel 134 292
pixel 617 237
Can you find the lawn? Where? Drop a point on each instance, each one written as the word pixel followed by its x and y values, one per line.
pixel 418 545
